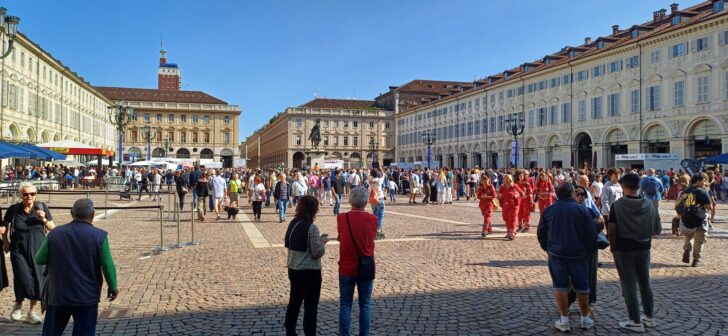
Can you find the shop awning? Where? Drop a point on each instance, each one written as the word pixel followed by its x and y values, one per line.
pixel 70 147
pixel 42 153
pixel 11 150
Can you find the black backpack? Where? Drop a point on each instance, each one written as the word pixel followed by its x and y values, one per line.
pixel 691 213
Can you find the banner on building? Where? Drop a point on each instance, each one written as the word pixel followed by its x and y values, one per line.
pixel 333 164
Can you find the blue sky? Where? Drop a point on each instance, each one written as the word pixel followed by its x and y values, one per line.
pixel 269 55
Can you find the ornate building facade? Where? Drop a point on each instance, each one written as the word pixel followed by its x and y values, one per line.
pixel 656 87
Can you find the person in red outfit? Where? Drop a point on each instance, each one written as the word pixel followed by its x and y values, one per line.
pixel 526 201
pixel 486 194
pixel 544 191
pixel 509 196
pixel 357 230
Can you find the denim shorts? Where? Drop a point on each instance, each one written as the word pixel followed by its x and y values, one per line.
pixel 563 269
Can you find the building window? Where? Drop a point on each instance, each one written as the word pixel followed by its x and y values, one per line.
pixel 355 124
pixel 679 92
pixel 183 118
pixel 555 82
pixel 170 135
pixel 371 124
pixel 207 119
pixel 346 141
pixel 194 118
pixel 718 6
pixel 159 118
pixel 298 123
pixel 679 50
pixel 655 56
pixel 615 66
pixel 633 61
pixel 336 141
pixel 676 20
pixel 542 121
pixel 206 137
pixel 531 117
pixel 703 89
pixel 597 108
pixel 146 117
pixel 635 101
pixel 725 84
pixel 597 71
pixel 500 125
pixel 582 75
pixel 326 140
pixel 170 118
pixel 582 110
pixel 355 141
pixel 566 79
pixel 635 33
pixel 298 140
pixel 194 137
pixel 654 98
pixel 701 44
pixel 183 137
pixel 335 124
pixel 386 125
pixel 613 104
pixel 566 113
pixel 554 115
pixel 134 136
pixel 227 120
pixel 346 124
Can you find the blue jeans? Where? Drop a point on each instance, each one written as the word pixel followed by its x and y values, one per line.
pixel 633 268
pixel 282 204
pixel 461 190
pixel 392 195
pixel 267 198
pixel 337 205
pixel 194 195
pixel 563 269
pixel 346 298
pixel 379 212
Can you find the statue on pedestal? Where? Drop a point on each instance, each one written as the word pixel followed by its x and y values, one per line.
pixel 315 135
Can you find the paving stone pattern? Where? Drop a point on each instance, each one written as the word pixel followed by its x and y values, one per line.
pixel 435 277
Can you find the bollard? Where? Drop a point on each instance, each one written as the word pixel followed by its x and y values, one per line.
pixel 179 217
pixel 87 194
pixel 106 203
pixel 161 247
pixel 193 241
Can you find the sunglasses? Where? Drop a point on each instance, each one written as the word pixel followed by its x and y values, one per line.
pixel 580 194
pixel 28 194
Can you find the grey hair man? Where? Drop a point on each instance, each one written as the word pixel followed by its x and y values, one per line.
pixel 83 248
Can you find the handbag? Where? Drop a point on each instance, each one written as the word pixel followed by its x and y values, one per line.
pixel 373 197
pixel 602 241
pixel 366 263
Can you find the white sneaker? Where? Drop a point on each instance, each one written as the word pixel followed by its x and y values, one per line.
pixel 632 326
pixel 34 318
pixel 587 323
pixel 649 322
pixel 16 315
pixel 562 326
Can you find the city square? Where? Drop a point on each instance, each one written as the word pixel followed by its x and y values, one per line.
pixel 568 162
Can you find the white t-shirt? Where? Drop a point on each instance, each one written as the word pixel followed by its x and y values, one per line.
pixel 597 186
pixel 258 192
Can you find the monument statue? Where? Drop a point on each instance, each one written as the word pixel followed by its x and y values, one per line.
pixel 315 135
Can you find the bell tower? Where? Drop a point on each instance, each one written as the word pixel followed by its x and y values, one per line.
pixel 168 74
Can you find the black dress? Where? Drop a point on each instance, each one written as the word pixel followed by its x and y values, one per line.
pixel 26 236
pixel 3 270
pixel 433 192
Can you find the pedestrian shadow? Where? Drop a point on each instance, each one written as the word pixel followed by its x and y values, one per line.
pixel 450 235
pixel 511 263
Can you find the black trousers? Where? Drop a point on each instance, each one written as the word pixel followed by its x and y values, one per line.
pixel 305 289
pixel 57 317
pixel 257 208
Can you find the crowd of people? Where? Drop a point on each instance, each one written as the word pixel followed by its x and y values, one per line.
pixel 579 212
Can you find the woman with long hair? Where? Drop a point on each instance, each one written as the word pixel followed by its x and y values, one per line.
pixel 526 201
pixel 258 189
pixel 486 194
pixel 305 249
pixel 509 196
pixel 544 191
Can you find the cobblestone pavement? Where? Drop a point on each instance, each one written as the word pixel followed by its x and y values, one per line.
pixel 435 277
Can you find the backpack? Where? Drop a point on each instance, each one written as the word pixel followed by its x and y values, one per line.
pixel 650 188
pixel 687 207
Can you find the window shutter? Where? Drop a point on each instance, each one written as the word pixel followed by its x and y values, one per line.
pixel 671 54
pixel 685 48
pixel 5 94
pixel 721 37
pixel 706 43
pixel 694 45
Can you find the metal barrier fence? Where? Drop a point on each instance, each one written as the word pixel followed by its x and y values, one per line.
pixel 174 213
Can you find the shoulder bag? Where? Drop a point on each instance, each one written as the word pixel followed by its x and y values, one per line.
pixel 366 263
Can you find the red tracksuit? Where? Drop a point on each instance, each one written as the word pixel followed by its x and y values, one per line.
pixel 510 200
pixel 545 192
pixel 524 212
pixel 486 194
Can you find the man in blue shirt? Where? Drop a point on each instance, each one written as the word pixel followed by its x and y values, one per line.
pixel 651 187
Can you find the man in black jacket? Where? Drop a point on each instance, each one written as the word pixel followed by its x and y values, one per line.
pixel 282 194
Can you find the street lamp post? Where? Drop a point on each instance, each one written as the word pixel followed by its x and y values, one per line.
pixel 147 133
pixel 373 147
pixel 120 116
pixel 515 127
pixel 9 27
pixel 428 138
pixel 166 145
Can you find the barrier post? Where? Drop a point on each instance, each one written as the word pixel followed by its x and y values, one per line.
pixel 161 247
pixel 106 202
pixel 179 217
pixel 87 194
pixel 193 241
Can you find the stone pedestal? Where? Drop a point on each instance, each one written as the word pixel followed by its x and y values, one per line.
pixel 317 156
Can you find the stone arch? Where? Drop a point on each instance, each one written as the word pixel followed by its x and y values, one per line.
pixel 700 68
pixel 30 132
pixel 654 78
pixel 57 137
pixel 614 87
pixel 158 153
pixel 206 153
pixel 678 74
pixel 696 127
pixel 553 140
pixel 183 153
pixel 44 137
pixel 14 132
pixel 615 134
pixel 597 91
pixel 655 131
